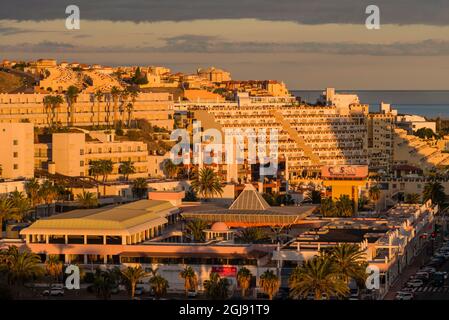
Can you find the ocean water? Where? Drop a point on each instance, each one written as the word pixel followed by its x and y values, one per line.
pixel 428 103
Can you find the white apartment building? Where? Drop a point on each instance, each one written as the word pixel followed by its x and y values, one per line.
pixel 16 150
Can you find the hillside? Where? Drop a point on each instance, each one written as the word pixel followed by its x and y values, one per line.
pixel 9 82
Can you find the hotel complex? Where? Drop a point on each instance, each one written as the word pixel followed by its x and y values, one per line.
pixel 345 175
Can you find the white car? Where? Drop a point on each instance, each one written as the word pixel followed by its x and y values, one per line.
pixel 404 296
pixel 53 292
pixel 415 283
pixel 428 270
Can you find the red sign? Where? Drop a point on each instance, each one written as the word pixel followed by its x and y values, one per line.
pixel 225 271
pixel 344 171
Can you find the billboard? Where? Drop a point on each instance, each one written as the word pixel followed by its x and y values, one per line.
pixel 225 271
pixel 345 171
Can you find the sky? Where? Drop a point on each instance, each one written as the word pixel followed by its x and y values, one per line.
pixel 307 44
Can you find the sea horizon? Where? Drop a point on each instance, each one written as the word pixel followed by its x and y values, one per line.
pixel 427 103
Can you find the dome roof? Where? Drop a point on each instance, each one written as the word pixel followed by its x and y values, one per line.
pixel 219 227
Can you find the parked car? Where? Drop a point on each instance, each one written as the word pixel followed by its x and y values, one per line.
pixel 415 283
pixel 138 291
pixel 192 294
pixel 53 292
pixel 422 275
pixel 428 269
pixel 404 295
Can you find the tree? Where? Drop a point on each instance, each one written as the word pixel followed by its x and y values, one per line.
pixel 53 267
pixel 412 198
pixel 190 195
pixel 328 208
pixel 269 283
pixel 159 285
pixel 434 191
pixel 133 275
pixel 129 110
pixel 190 279
pixel 32 188
pixel 244 277
pixel 102 167
pixel 317 276
pixel 207 184
pixel 251 235
pixel 425 133
pixel 344 206
pixel 195 229
pixel 140 187
pixel 99 97
pixel 126 168
pixel 19 266
pixel 48 194
pixel 72 95
pixel 6 208
pixel 349 262
pixel 104 282
pixel 170 169
pixel 216 287
pixel 115 93
pixel 87 199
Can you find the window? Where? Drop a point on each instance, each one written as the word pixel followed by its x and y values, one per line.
pixel 16 166
pixel 81 163
pixel 15 142
pixel 81 152
pixel 15 154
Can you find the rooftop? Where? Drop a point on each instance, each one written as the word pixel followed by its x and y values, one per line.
pixel 110 218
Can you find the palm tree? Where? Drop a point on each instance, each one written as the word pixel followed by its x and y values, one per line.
pixel 317 276
pixel 190 279
pixel 129 110
pixel 412 198
pixel 251 235
pixel 104 282
pixel 48 101
pixel 328 207
pixel 133 275
pixel 55 106
pixel 344 206
pixel 244 277
pixel 216 287
pixel 48 194
pixel 32 188
pixel 170 169
pixel 21 208
pixel 195 229
pixel 159 285
pixel 269 283
pixel 124 95
pixel 87 199
pixel 20 266
pixel 72 95
pixel 115 93
pixel 140 186
pixel 126 168
pixel 374 194
pixel 102 167
pixel 207 184
pixel 53 267
pixel 434 191
pixel 6 208
pixel 349 262
pixel 99 97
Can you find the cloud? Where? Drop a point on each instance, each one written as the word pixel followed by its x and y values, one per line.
pixel 431 12
pixel 207 44
pixel 8 31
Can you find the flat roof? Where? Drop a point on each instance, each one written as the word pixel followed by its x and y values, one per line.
pixel 347 235
pixel 109 218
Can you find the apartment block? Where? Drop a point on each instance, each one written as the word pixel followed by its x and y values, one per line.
pixel 72 153
pixel 157 108
pixel 16 150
